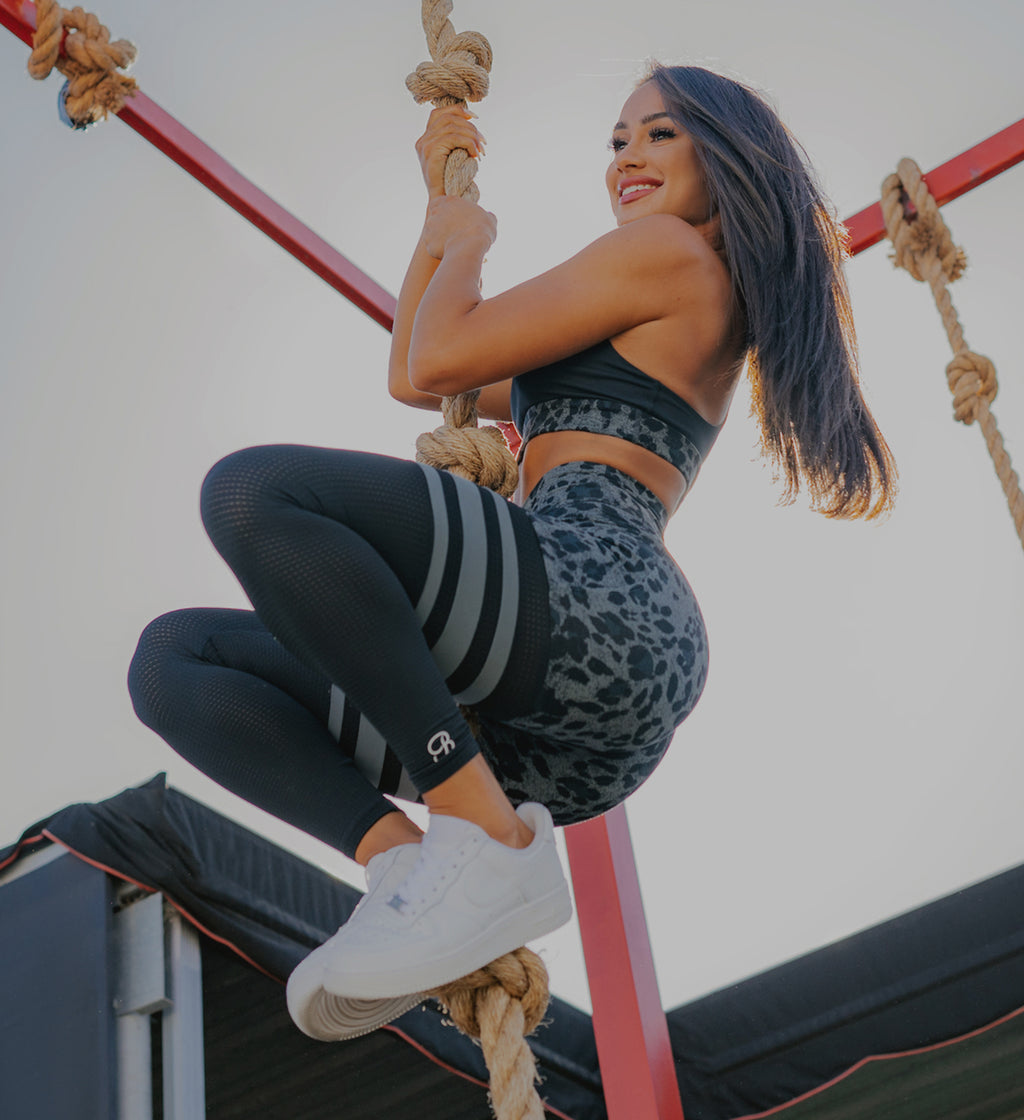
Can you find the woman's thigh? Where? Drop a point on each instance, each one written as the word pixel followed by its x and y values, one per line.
pixel 467 560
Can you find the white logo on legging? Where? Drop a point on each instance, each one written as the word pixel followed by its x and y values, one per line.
pixel 440 744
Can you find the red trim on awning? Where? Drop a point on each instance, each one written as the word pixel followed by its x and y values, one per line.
pixel 24 842
pixel 780 1108
pixel 153 890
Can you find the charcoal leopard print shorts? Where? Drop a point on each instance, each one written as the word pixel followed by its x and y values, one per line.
pixel 628 655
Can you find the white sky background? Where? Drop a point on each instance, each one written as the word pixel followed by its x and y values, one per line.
pixel 857 751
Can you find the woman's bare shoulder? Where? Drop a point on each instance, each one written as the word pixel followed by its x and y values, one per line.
pixel 654 268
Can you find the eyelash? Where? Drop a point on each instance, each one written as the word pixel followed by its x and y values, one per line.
pixel 661 132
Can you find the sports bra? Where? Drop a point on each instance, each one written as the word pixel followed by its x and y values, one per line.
pixel 598 391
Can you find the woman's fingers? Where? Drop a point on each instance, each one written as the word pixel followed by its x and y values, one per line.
pixel 447 129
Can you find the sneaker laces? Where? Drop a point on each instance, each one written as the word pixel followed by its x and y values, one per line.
pixel 431 871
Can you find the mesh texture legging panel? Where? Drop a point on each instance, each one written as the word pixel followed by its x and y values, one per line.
pixel 389 589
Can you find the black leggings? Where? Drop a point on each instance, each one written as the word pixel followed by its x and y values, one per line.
pixel 383 592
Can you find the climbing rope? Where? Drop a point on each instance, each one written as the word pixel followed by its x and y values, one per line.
pixel 923 245
pixel 90 61
pixel 499 1005
pixel 505 1001
pixel 457 72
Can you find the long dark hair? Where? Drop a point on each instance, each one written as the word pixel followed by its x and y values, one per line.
pixel 785 250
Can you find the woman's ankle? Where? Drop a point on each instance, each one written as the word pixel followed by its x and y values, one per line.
pixel 473 794
pixel 385 833
pixel 511 832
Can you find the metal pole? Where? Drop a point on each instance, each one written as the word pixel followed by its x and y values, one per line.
pixel 140 991
pixel 134 1068
pixel 633 1046
pixel 184 1071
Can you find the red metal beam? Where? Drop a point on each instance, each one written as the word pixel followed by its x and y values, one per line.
pixel 204 165
pixel 633 1047
pixel 215 173
pixel 948 181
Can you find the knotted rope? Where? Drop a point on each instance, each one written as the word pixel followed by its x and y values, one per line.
pixel 457 72
pixel 505 1001
pixel 459 446
pixel 924 246
pixel 90 61
pixel 499 1005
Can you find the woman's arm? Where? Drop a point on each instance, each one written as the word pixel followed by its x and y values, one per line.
pixel 418 275
pixel 446 130
pixel 493 403
pixel 655 268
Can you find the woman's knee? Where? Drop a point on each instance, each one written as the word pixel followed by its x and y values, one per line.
pixel 165 645
pixel 234 491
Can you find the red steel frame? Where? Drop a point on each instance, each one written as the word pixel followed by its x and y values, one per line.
pixel 215 173
pixel 637 1065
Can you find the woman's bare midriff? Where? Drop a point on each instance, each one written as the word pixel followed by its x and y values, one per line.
pixel 552 449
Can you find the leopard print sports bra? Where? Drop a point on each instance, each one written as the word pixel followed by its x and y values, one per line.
pixel 599 391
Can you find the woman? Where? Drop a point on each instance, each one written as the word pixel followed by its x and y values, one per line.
pixel 562 620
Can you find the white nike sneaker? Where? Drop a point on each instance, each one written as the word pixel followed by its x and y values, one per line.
pixel 467 901
pixel 331 1018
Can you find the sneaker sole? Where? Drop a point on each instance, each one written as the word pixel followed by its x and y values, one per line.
pixel 331 1018
pixel 508 933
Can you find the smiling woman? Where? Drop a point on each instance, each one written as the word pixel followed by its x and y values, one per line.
pixel 655 162
pixel 560 617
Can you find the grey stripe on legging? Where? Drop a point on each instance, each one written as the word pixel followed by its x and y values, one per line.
pixel 505 628
pixel 370 745
pixel 432 584
pixel 464 616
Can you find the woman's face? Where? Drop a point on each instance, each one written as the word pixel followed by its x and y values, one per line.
pixel 654 168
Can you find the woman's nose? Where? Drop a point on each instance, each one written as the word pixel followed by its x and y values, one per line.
pixel 629 156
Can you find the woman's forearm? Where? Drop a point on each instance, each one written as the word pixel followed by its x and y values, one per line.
pixel 452 294
pixel 417 278
pixel 436 297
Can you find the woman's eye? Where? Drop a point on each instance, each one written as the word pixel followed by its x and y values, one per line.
pixel 662 133
pixel 616 144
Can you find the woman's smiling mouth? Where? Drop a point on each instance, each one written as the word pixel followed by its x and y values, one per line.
pixel 633 188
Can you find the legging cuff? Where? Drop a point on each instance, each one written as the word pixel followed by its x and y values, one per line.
pixel 448 756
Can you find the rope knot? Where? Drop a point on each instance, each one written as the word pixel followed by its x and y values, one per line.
pixel 90 61
pixel 519 976
pixel 929 254
pixel 460 61
pixel 971 378
pixel 916 227
pixel 500 1004
pixel 479 454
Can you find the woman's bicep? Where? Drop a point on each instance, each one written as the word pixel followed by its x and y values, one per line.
pixel 628 277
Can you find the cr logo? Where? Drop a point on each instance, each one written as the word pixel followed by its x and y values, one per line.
pixel 440 744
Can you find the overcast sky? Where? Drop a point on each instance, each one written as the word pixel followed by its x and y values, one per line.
pixel 857 751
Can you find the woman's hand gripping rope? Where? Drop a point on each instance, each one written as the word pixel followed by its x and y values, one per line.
pixel 448 130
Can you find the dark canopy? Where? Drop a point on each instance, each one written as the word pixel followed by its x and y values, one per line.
pixel 916 983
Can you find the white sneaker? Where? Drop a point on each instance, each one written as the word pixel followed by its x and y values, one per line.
pixel 467 901
pixel 329 1017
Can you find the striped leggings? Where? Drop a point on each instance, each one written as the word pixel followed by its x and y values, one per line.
pixel 383 593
